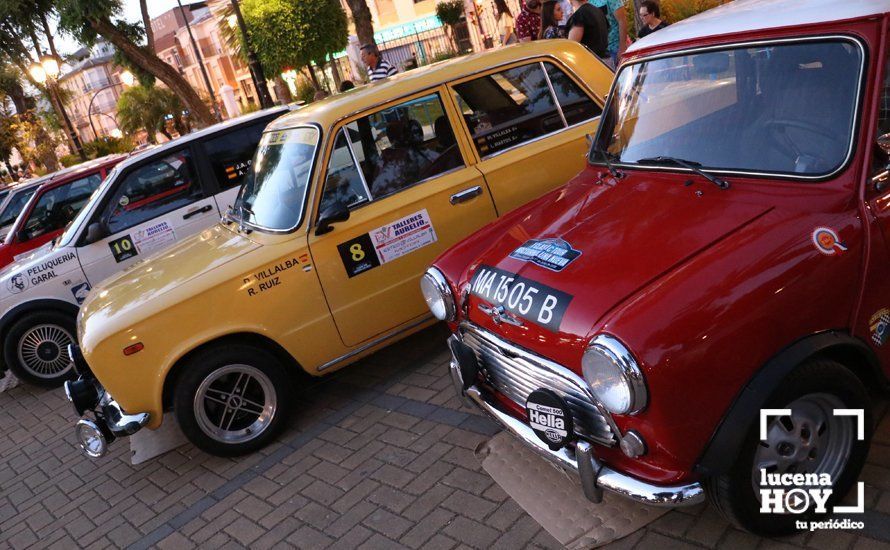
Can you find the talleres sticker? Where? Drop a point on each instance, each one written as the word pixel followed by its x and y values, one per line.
pixel 553 254
pixel 827 242
pixel 38 273
pixel 549 417
pixel 387 243
pixel 879 326
pixel 154 237
pixel 528 299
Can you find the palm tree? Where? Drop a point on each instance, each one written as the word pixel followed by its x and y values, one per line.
pixel 141 107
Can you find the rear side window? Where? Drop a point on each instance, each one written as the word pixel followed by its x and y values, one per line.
pixel 57 207
pixel 153 189
pixel 230 155
pixel 515 106
pixel 15 206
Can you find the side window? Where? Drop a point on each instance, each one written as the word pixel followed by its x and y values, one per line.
pixel 390 150
pixel 153 189
pixel 57 207
pixel 230 155
pixel 15 206
pixel 575 104
pixel 879 159
pixel 508 108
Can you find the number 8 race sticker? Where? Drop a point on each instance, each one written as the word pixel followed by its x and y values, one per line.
pixel 387 243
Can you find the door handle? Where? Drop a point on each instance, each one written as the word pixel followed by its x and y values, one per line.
pixel 466 194
pixel 203 209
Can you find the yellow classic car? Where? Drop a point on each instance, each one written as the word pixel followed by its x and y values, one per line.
pixel 317 263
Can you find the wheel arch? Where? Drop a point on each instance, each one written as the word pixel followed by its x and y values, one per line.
pixel 31 306
pixel 721 451
pixel 248 338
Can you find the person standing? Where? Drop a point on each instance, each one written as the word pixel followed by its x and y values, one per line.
pixel 588 26
pixel 616 18
pixel 650 14
pixel 378 68
pixel 506 24
pixel 551 15
pixel 528 22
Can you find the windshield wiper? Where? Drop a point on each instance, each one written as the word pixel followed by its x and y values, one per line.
pixel 689 164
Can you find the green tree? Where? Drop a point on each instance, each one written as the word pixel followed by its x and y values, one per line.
pixel 147 108
pixel 88 19
pixel 293 33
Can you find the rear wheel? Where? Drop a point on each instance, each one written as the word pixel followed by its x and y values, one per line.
pixel 810 440
pixel 36 348
pixel 232 400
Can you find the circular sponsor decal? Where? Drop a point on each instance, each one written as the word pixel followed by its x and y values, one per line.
pixel 549 417
pixel 17 283
pixel 124 200
pixel 827 242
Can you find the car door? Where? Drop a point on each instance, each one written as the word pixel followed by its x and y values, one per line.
pixel 411 193
pixel 151 206
pixel 229 157
pixel 528 123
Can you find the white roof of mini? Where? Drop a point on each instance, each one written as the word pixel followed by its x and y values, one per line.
pixel 751 15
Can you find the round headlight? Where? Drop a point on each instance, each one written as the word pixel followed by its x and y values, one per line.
pixel 438 295
pixel 613 375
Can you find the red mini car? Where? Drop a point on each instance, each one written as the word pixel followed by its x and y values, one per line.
pixel 701 310
pixel 52 206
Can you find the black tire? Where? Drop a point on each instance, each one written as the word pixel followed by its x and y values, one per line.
pixel 733 494
pixel 215 371
pixel 35 348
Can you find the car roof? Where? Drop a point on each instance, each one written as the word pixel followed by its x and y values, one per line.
pixel 204 132
pixel 743 16
pixel 327 111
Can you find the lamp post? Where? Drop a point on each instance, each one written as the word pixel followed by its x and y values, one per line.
pixel 253 62
pixel 127 80
pixel 46 72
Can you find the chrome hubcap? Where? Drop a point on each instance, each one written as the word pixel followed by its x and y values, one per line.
pixel 235 404
pixel 812 440
pixel 42 351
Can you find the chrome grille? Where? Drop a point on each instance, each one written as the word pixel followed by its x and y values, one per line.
pixel 516 373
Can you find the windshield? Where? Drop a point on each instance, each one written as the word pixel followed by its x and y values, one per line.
pixel 779 108
pixel 274 191
pixel 15 206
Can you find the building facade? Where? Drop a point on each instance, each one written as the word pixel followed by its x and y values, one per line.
pixel 91 89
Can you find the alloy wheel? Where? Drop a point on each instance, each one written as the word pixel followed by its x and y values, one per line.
pixel 42 350
pixel 235 403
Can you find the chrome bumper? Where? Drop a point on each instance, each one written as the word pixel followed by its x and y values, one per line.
pixel 594 476
pixel 111 422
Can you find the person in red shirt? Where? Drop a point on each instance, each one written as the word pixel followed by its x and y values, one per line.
pixel 528 22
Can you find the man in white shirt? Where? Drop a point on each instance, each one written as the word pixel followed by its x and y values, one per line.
pixel 378 68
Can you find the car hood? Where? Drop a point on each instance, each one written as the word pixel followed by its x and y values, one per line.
pixel 141 290
pixel 590 249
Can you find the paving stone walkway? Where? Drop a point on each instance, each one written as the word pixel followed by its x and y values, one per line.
pixel 379 455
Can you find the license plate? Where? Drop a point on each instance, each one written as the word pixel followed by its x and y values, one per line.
pixel 525 298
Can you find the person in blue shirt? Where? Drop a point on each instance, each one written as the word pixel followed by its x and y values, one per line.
pixel 617 19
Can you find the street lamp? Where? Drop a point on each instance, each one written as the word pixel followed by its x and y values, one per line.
pixel 45 73
pixel 127 80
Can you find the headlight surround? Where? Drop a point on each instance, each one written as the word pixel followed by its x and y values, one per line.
pixel 614 376
pixel 437 294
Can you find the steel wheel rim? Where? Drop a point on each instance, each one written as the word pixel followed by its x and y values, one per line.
pixel 235 404
pixel 812 440
pixel 42 351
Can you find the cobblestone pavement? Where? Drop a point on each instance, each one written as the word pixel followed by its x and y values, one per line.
pixel 379 455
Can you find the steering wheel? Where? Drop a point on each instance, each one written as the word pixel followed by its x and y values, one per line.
pixel 776 131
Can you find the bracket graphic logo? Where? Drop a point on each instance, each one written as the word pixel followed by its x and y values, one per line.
pixel 796 493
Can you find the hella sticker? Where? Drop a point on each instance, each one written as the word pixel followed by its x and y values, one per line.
pixel 553 254
pixel 827 242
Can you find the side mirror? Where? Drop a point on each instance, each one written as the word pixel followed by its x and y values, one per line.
pixel 337 212
pixel 96 231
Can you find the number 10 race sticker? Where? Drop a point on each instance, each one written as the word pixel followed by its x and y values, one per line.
pixel 387 243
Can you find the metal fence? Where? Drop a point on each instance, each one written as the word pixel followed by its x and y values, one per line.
pixel 421 48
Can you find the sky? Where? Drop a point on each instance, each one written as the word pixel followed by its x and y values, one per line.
pixel 131 13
